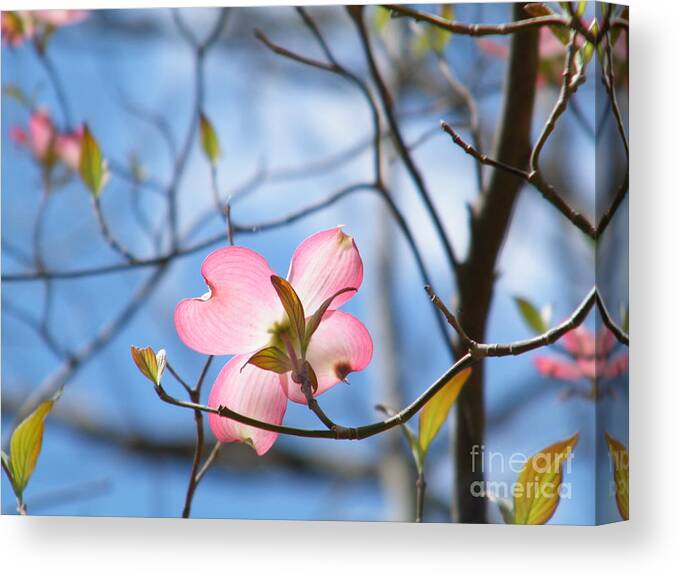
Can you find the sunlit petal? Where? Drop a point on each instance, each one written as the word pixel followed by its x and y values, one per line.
pixel 252 392
pixel 322 265
pixel 340 346
pixel 235 316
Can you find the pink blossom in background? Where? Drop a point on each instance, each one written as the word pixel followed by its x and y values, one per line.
pixel 589 358
pixel 241 314
pixel 40 136
pixel 59 18
pixel 551 54
pixel 68 148
pixel 22 25
pixel 45 142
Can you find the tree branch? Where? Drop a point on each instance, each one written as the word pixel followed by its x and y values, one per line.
pixel 479 29
pixel 477 353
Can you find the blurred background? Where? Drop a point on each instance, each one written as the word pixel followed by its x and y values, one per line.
pixel 290 136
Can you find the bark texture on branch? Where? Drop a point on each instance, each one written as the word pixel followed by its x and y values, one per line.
pixel 489 222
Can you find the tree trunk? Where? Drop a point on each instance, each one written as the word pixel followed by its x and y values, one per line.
pixel 489 222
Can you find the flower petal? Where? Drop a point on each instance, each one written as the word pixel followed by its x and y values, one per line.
pixel 322 265
pixel 42 133
pixel 252 392
pixel 58 18
pixel 237 312
pixel 616 367
pixel 17 135
pixel 579 342
pixel 340 345
pixel 557 368
pixel 605 342
pixel 68 149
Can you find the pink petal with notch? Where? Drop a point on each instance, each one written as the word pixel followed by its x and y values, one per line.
pixel 235 316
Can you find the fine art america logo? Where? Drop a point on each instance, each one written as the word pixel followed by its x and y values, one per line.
pixel 537 477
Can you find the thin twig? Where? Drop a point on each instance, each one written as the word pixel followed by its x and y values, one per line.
pixel 179 379
pixel 209 461
pixel 421 496
pixel 568 88
pixel 479 29
pixel 58 87
pixel 356 13
pixel 197 456
pixel 547 191
pixel 618 332
pixel 114 244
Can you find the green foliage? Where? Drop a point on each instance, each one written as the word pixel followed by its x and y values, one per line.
pixel 619 455
pixel 25 446
pixel 537 10
pixel 380 18
pixel 93 170
pixel 537 320
pixel 273 359
pixel 150 364
pixel 537 490
pixel 292 306
pixel 433 38
pixel 435 412
pixel 17 94
pixel 209 140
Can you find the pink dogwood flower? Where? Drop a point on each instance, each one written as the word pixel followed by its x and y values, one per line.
pixel 45 142
pixel 590 358
pixel 281 332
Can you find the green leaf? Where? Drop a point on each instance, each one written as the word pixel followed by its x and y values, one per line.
pixel 421 45
pixel 429 37
pixel 436 410
pixel 209 140
pixel 581 8
pixel 292 306
pixel 16 93
pixel 532 316
pixel 536 494
pixel 25 445
pixel 439 36
pixel 586 53
pixel 93 170
pixel 271 359
pixel 381 18
pixel 314 321
pixel 587 48
pixel 620 460
pixel 313 378
pixel 537 10
pixel 150 364
pixel 5 466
